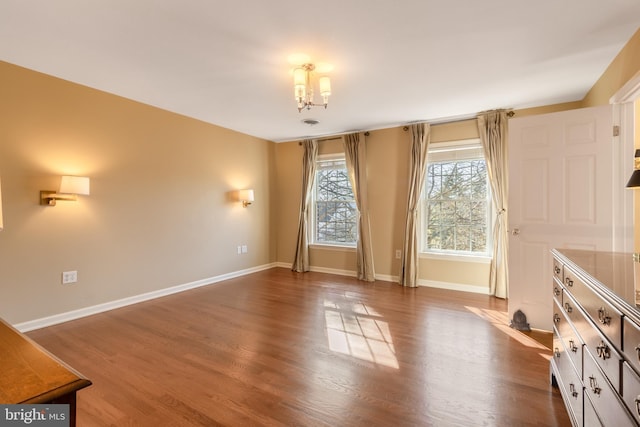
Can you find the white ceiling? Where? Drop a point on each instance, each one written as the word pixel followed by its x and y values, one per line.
pixel 226 62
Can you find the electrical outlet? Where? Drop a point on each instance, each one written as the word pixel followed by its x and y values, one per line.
pixel 244 249
pixel 398 253
pixel 239 250
pixel 69 277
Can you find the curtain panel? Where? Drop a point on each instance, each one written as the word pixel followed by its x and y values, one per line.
pixel 493 127
pixel 356 160
pixel 301 259
pixel 420 137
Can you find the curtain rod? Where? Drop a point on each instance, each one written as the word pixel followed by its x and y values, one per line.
pixel 405 128
pixel 330 138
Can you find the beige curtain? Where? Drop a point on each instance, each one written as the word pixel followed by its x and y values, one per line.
pixel 493 127
pixel 301 260
pixel 420 134
pixel 356 159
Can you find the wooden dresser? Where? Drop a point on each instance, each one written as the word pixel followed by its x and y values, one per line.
pixel 30 374
pixel 596 360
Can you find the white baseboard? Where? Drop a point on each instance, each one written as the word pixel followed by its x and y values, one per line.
pixel 284 264
pixel 88 311
pixel 100 308
pixel 349 273
pixel 322 270
pixel 336 271
pixel 454 286
pixel 387 278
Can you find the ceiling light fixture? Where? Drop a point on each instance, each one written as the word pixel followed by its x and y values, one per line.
pixel 303 81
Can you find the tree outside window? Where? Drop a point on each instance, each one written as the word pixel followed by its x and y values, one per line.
pixel 456 203
pixel 335 212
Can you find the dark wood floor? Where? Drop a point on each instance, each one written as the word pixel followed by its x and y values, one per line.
pixel 278 348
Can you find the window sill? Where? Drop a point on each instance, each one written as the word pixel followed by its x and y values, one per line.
pixel 330 247
pixel 480 259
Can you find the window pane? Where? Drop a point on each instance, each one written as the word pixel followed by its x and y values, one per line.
pixel 336 213
pixel 456 205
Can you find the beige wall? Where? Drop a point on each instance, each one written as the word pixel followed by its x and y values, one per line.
pixel 387 159
pixel 625 65
pixel 387 168
pixel 623 68
pixel 158 214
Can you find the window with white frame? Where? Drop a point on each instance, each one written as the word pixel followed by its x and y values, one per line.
pixel 334 219
pixel 456 208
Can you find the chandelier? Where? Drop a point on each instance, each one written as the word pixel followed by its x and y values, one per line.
pixel 303 82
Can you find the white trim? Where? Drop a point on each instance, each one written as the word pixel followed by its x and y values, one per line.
pixel 388 278
pixel 284 264
pixel 623 154
pixel 336 271
pixel 622 198
pixel 457 257
pixel 100 308
pixel 331 156
pixel 348 273
pixel 454 286
pixel 629 92
pixel 332 247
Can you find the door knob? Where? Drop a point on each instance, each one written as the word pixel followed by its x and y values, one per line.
pixel 515 232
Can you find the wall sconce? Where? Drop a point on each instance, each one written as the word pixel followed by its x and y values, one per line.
pixel 634 181
pixel 70 187
pixel 246 197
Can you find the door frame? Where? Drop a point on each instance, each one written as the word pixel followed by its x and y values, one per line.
pixel 623 102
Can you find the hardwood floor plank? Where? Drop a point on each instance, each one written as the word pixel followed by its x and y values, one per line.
pixel 278 348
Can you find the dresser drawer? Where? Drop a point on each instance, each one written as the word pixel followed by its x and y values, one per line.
pixel 568 380
pixel 631 342
pixel 557 270
pixel 631 390
pixel 590 417
pixel 605 355
pixel 574 315
pixel 604 315
pixel 570 339
pixel 557 290
pixel 610 409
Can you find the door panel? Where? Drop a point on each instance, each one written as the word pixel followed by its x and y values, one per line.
pixel 560 196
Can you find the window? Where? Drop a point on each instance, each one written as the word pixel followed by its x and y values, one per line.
pixel 334 208
pixel 456 202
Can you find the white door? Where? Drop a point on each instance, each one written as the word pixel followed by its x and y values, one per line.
pixel 560 196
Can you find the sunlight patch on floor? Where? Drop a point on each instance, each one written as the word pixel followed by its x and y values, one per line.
pixel 359 332
pixel 500 320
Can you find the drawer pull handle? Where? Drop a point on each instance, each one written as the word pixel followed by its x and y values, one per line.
pixel 638 352
pixel 574 393
pixel 567 307
pixel 638 405
pixel 556 351
pixel 556 319
pixel 603 351
pixel 556 291
pixel 568 281
pixel 573 346
pixel 594 385
pixel 603 316
pixel 556 269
